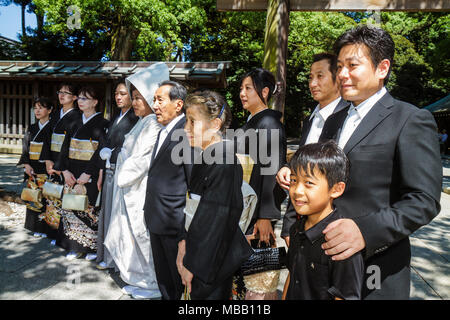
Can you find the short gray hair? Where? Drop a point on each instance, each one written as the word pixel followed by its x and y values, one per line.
pixel 177 91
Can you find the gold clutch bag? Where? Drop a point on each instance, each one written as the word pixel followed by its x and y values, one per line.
pixel 53 190
pixel 32 195
pixel 75 202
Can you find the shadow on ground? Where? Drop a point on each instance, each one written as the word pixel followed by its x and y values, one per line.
pixel 30 268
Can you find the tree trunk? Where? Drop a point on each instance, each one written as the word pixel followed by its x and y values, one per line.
pixel 275 48
pixel 23 6
pixel 122 43
pixel 40 25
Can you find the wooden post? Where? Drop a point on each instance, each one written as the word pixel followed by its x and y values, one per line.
pixel 275 47
pixel 35 94
pixel 8 108
pixel 2 108
pixel 108 104
pixel 22 106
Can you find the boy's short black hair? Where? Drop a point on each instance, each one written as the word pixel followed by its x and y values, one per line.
pixel 327 157
pixel 378 42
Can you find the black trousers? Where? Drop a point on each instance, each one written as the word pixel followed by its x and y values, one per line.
pixel 165 250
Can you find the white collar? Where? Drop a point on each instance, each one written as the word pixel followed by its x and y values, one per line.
pixel 173 122
pixel 326 111
pixel 364 107
pixel 123 114
pixel 62 113
pixel 90 117
pixel 251 116
pixel 42 125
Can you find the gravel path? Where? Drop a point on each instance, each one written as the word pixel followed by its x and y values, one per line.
pixel 11 214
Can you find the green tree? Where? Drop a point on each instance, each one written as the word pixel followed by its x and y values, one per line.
pixel 421 71
pixel 231 36
pixel 140 29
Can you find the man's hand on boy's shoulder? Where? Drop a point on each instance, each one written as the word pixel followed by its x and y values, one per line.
pixel 343 239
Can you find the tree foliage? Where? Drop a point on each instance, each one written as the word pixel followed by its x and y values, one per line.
pixel 193 30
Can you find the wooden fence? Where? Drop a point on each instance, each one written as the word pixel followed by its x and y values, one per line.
pixel 16 100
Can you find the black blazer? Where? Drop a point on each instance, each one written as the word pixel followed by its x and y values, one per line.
pixel 167 184
pixel 117 131
pixel 394 186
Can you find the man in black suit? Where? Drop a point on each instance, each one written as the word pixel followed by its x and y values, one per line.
pixel 117 130
pixel 166 188
pixel 324 89
pixel 395 178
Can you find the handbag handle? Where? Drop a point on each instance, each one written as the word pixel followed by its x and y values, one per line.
pixel 251 239
pixel 60 177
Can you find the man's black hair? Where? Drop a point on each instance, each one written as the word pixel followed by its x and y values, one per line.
pixel 332 60
pixel 177 91
pixel 327 157
pixel 378 42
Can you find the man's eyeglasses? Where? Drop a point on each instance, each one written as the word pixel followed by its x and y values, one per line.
pixel 64 93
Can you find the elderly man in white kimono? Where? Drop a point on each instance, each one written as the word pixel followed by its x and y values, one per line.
pixel 128 239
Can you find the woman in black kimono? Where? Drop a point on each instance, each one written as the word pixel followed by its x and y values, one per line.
pixel 214 246
pixel 264 140
pixel 257 87
pixel 63 122
pixel 81 166
pixel 34 169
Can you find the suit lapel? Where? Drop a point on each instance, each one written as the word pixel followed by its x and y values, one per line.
pixel 341 105
pixel 328 129
pixel 332 126
pixel 378 113
pixel 167 141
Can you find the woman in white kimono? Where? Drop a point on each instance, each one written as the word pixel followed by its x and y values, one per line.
pixel 127 238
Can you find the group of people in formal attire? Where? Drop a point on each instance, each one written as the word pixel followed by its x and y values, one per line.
pixel 175 224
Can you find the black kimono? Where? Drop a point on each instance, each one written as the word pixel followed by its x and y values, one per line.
pixel 215 245
pixel 80 154
pixel 31 150
pixel 117 131
pixel 60 127
pixel 270 194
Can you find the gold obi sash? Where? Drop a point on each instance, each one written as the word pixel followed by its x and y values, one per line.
pixel 57 141
pixel 247 164
pixel 82 149
pixel 35 150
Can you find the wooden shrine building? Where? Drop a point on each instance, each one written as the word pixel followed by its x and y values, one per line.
pixel 22 81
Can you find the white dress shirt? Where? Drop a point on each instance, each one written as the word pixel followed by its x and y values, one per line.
pixel 355 116
pixel 319 116
pixel 165 131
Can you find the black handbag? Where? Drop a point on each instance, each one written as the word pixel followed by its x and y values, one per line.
pixel 265 259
